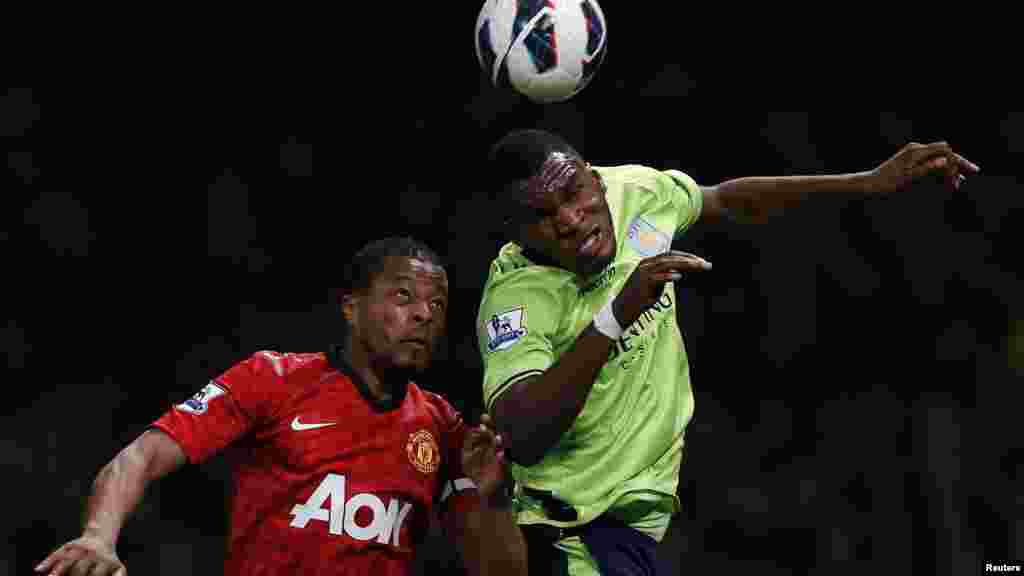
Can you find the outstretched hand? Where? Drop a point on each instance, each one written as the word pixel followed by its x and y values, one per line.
pixel 915 161
pixel 483 458
pixel 647 281
pixel 84 556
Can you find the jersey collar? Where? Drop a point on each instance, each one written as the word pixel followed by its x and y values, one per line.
pixel 336 358
pixel 536 257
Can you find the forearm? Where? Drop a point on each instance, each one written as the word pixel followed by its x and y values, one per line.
pixel 492 543
pixel 755 198
pixel 117 491
pixel 536 412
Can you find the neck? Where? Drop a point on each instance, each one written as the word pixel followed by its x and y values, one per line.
pixel 384 384
pixel 536 256
pixel 580 277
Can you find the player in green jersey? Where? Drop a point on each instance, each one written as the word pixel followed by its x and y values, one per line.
pixel 585 370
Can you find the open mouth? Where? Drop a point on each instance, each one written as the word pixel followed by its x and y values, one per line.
pixel 591 243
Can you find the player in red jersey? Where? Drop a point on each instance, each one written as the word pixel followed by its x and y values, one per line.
pixel 338 458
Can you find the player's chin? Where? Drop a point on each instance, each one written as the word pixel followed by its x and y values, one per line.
pixel 589 266
pixel 417 361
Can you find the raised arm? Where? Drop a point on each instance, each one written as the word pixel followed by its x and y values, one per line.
pixel 484 528
pixel 534 412
pixel 754 199
pixel 537 410
pixel 117 491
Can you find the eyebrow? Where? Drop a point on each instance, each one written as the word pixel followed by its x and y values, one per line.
pixel 411 278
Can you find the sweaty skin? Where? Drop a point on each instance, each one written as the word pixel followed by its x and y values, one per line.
pixel 429 271
pixel 430 274
pixel 555 174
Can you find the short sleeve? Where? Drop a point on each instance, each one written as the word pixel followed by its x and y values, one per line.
pixel 686 197
pixel 225 409
pixel 516 326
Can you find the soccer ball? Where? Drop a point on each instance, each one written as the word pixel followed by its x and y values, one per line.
pixel 547 50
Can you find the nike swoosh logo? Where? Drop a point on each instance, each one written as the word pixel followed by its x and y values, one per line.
pixel 299 426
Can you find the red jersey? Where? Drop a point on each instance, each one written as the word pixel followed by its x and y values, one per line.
pixel 325 481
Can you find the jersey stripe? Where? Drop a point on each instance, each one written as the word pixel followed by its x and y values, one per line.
pixel 508 384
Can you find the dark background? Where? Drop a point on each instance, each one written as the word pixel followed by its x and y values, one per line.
pixel 856 363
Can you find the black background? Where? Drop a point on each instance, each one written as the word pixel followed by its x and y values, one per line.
pixel 856 362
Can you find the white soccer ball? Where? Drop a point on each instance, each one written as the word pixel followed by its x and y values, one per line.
pixel 547 50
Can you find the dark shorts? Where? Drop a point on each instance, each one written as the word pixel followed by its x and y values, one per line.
pixel 606 546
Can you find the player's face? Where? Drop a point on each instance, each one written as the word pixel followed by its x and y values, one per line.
pixel 403 315
pixel 564 215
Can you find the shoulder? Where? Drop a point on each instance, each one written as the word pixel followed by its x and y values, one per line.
pixel 269 373
pixel 532 291
pixel 631 178
pixel 637 190
pixel 271 363
pixel 512 273
pixel 439 408
pixel 636 174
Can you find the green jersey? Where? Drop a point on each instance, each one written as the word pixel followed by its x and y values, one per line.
pixel 626 444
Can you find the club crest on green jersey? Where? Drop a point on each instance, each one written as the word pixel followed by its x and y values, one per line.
pixel 503 330
pixel 646 239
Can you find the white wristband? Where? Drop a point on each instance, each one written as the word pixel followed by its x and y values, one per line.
pixel 605 322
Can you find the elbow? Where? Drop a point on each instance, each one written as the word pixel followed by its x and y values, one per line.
pixel 118 472
pixel 517 434
pixel 133 461
pixel 517 445
pixel 523 455
pixel 108 471
pixel 524 446
pixel 526 434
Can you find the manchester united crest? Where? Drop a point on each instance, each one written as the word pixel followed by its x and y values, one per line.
pixel 423 452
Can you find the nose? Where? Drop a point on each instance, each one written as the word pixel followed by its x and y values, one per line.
pixel 422 312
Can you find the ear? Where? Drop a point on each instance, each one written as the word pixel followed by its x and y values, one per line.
pixel 597 176
pixel 348 308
